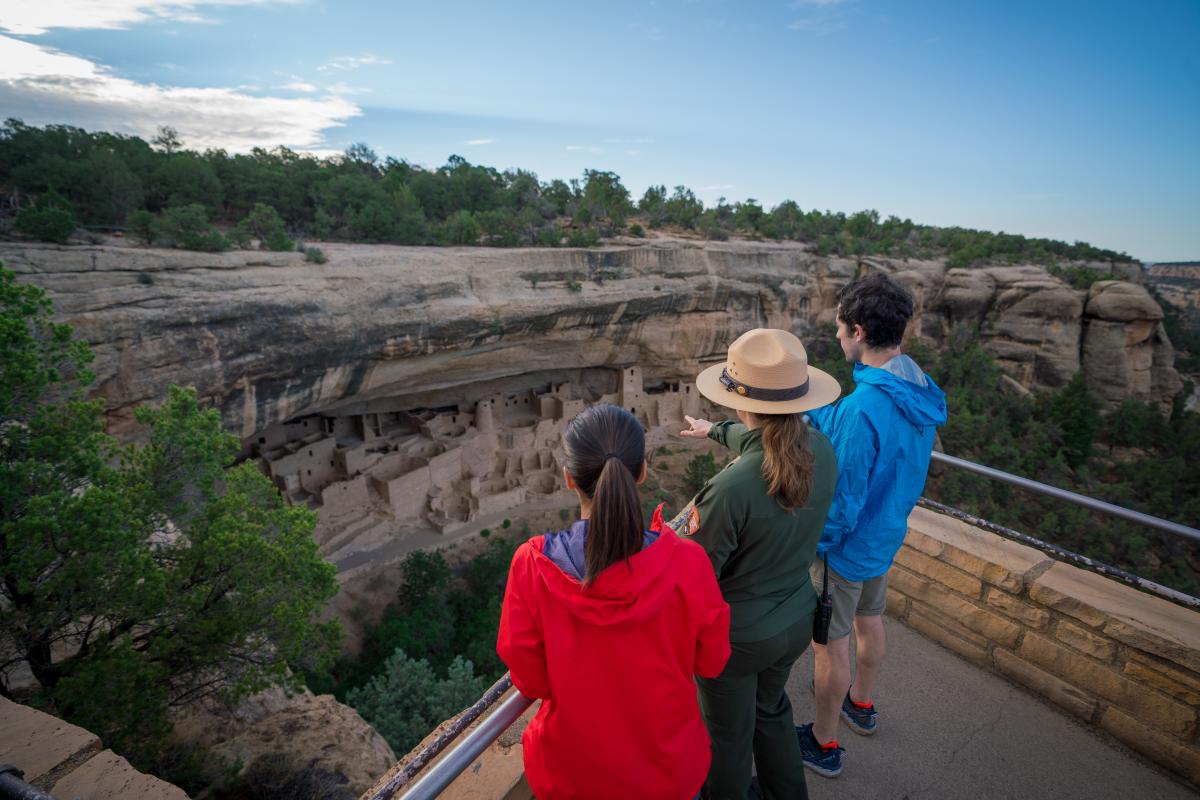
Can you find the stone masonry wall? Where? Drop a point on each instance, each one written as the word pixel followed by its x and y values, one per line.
pixel 69 762
pixel 1110 655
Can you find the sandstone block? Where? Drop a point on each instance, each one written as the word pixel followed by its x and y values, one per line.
pixel 107 775
pixel 1139 620
pixel 936 626
pixel 1150 706
pixel 1180 684
pixel 990 626
pixel 1179 757
pixel 906 582
pixel 1028 614
pixel 42 746
pixel 1057 594
pixel 1074 700
pixel 992 558
pixel 897 604
pixel 1156 636
pixel 923 542
pixel 1085 642
pixel 935 570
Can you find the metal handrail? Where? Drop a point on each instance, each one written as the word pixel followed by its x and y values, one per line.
pixel 443 773
pixel 1071 497
pixel 14 787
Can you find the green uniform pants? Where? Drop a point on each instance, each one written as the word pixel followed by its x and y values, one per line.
pixel 749 719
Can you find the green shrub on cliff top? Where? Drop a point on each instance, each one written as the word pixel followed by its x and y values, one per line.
pixel 187 228
pixel 265 224
pixel 48 224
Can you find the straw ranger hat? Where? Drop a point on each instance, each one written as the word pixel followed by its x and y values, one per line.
pixel 767 372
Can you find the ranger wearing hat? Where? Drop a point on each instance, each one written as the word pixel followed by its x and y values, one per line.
pixel 759 520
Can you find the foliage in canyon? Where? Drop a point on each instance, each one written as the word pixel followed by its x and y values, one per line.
pixel 139 579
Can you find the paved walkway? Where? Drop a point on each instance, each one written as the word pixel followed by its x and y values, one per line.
pixel 949 730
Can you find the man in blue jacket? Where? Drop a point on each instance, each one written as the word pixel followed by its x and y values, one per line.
pixel 883 435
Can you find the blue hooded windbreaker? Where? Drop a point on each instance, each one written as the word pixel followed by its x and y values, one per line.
pixel 883 434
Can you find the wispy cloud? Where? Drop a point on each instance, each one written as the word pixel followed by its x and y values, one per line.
pixel 35 17
pixel 819 27
pixel 343 89
pixel 821 17
pixel 353 62
pixel 474 142
pixel 42 85
pixel 584 148
pixel 652 32
pixel 636 140
pixel 300 86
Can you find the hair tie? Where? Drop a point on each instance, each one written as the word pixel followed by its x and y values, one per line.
pixel 607 456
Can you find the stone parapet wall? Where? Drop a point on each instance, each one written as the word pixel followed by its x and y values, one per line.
pixel 69 762
pixel 1110 655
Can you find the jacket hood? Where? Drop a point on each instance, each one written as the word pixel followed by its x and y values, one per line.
pixel 920 405
pixel 628 592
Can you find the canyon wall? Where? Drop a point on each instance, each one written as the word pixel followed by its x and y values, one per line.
pixel 266 337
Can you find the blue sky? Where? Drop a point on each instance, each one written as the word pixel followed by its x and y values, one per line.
pixel 1064 119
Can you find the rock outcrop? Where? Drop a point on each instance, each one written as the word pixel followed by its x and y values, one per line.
pixel 266 337
pixel 1126 352
pixel 1029 320
pixel 305 729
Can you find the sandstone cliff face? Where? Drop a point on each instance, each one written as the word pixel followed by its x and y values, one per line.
pixel 266 337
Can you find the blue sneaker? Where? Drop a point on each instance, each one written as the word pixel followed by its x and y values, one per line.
pixel 825 760
pixel 861 720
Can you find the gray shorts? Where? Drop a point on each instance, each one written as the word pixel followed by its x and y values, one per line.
pixel 850 598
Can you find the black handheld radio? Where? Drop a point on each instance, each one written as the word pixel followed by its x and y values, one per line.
pixel 824 609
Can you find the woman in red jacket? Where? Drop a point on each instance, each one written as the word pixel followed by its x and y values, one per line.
pixel 607 623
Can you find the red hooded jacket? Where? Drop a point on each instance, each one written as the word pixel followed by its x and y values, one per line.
pixel 613 664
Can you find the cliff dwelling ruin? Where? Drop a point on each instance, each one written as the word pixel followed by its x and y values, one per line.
pixel 382 472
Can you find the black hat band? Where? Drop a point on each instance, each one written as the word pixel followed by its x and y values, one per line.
pixel 754 393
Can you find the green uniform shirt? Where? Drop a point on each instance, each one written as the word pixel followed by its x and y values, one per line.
pixel 760 552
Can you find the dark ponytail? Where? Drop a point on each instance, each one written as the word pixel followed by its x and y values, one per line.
pixel 606 448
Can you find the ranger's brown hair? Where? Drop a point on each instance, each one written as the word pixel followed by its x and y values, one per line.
pixel 787 460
